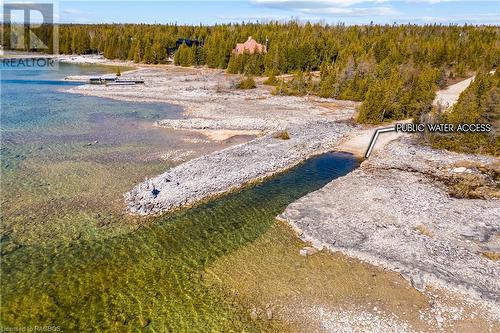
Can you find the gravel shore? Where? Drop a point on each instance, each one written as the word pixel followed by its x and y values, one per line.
pixel 211 103
pixel 233 167
pixel 396 211
pixel 209 94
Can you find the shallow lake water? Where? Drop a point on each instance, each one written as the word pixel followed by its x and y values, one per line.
pixel 71 256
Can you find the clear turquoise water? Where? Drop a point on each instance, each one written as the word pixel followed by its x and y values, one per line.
pixel 35 108
pixel 146 278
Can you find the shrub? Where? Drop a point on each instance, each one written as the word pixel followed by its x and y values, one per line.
pixel 247 83
pixel 281 88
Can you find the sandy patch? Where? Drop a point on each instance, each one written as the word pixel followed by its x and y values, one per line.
pixel 222 135
pixel 357 143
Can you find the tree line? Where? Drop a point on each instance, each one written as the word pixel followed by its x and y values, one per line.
pixel 394 69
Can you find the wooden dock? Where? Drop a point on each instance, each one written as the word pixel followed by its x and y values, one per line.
pixel 114 81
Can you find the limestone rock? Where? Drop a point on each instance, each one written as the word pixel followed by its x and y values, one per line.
pixel 307 251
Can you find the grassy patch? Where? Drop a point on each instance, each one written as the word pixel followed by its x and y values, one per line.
pixel 283 135
pixel 473 186
pixel 495 256
pixel 423 230
pixel 468 186
pixel 479 181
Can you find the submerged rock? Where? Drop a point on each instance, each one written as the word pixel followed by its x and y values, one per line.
pixel 269 314
pixel 307 251
pixel 254 315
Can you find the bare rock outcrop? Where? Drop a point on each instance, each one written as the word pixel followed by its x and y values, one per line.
pixel 228 169
pixel 396 211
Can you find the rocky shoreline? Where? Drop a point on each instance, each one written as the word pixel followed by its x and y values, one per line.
pixel 209 94
pixel 396 211
pixel 408 220
pixel 314 125
pixel 223 124
pixel 231 168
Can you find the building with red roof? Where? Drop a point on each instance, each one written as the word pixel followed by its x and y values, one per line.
pixel 250 46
